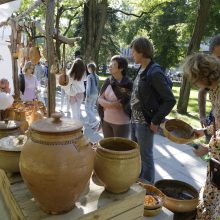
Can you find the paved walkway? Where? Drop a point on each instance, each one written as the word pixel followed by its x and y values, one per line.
pixel 172 161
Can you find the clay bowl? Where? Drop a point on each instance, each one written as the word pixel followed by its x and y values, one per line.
pixel 180 196
pixel 156 193
pixel 155 208
pixel 152 212
pixel 178 131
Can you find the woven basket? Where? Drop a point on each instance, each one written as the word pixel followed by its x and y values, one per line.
pixel 178 131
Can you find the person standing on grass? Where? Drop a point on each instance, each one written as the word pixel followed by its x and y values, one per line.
pixel 114 100
pixel 214 49
pixel 151 100
pixel 91 95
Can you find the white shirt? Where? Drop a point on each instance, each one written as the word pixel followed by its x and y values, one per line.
pixel 6 100
pixel 74 87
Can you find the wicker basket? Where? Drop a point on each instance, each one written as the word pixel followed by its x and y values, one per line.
pixel 178 131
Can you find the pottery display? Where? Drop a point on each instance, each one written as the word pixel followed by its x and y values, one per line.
pixel 9 128
pixel 56 163
pixel 117 163
pixel 180 196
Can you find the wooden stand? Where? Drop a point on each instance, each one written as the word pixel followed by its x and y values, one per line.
pixel 96 205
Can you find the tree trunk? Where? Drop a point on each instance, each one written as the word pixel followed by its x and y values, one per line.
pixel 50 6
pixel 95 16
pixel 13 48
pixel 194 45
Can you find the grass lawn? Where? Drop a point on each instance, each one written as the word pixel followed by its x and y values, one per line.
pixel 192 116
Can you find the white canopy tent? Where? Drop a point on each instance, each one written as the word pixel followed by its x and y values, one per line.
pixel 6 11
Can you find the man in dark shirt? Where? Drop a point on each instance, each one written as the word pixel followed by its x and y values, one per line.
pixel 151 100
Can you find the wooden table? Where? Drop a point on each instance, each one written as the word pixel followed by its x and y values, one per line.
pixel 96 205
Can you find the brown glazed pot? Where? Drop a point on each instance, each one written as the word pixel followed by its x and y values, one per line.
pixel 56 163
pixel 176 192
pixel 117 163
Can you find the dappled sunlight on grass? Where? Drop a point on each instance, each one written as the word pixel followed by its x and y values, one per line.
pixel 192 116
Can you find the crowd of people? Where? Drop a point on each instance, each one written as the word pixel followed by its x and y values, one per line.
pixel 135 108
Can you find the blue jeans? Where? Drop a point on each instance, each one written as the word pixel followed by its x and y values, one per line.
pixel 142 134
pixel 90 104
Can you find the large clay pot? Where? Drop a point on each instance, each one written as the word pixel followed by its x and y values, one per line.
pixel 56 163
pixel 117 163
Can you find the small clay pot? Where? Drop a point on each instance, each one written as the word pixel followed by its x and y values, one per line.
pixel 117 163
pixel 63 79
pixel 21 117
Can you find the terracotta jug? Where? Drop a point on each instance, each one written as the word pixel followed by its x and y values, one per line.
pixel 34 55
pixel 21 56
pixel 56 162
pixel 117 163
pixel 63 78
pixel 36 113
pixel 21 117
pixel 8 114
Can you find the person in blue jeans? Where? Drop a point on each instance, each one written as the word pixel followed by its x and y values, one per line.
pixel 91 95
pixel 151 100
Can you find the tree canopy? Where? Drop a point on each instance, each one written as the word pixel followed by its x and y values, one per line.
pixel 168 23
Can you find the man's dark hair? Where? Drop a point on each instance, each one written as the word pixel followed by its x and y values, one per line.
pixel 122 63
pixel 215 41
pixel 77 54
pixel 144 46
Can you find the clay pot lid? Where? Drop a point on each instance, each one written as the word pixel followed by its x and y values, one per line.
pixel 56 124
pixel 9 125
